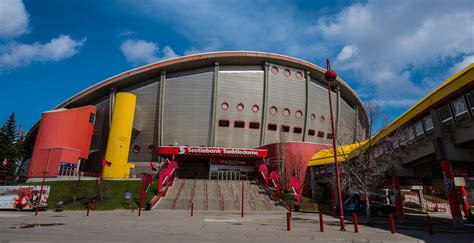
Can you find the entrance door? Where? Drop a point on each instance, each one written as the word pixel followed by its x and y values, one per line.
pixel 225 175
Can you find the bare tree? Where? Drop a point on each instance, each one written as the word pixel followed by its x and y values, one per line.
pixel 281 160
pixel 365 168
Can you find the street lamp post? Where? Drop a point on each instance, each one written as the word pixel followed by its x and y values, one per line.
pixel 330 76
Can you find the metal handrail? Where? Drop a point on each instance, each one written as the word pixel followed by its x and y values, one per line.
pixel 179 193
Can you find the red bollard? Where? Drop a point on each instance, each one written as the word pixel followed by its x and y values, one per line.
pixel 88 207
pixel 290 208
pixel 392 224
pixel 321 223
pixel 192 209
pixel 242 208
pixel 288 221
pixel 430 224
pixel 356 223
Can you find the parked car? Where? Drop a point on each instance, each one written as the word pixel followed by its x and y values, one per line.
pixel 378 205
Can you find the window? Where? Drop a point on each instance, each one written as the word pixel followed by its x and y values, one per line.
pixel 445 113
pixel 470 97
pixel 255 108
pixel 272 127
pixel 239 124
pixel 286 112
pixel 418 126
pixel 240 107
pixel 151 148
pixel 225 105
pixel 322 119
pixel 273 110
pixel 299 75
pixel 254 125
pixel 321 134
pixel 428 123
pixel 274 70
pixel 136 149
pixel 313 117
pixel 329 136
pixel 459 106
pixel 92 118
pixel 224 123
pixel 298 114
pixel 297 130
pixel 311 132
pixel 285 128
pixel 287 73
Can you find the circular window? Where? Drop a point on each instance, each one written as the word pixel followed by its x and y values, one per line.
pixel 273 110
pixel 287 73
pixel 313 117
pixel 286 112
pixel 151 148
pixel 274 70
pixel 299 75
pixel 255 108
pixel 240 107
pixel 299 114
pixel 136 149
pixel 322 119
pixel 225 105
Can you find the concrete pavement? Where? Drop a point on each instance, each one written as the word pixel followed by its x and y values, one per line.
pixel 204 226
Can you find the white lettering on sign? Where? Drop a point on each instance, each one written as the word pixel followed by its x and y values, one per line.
pixel 222 151
pixel 204 151
pixel 240 152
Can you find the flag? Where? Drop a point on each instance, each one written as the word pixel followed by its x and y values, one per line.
pixel 5 162
pixel 152 166
pixel 105 163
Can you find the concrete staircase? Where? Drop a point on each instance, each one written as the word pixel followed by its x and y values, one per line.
pixel 217 195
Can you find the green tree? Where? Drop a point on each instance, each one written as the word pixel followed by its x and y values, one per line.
pixel 11 149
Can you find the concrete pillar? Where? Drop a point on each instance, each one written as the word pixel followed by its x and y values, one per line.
pixel 398 196
pixel 451 191
pixel 215 84
pixel 263 128
pixel 306 110
pixel 422 200
pixel 465 202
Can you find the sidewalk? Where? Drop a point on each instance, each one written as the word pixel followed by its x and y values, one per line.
pixel 204 226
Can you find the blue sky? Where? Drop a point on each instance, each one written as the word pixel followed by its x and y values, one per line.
pixel 390 52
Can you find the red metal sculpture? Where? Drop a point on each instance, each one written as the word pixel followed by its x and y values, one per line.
pixel 296 187
pixel 263 169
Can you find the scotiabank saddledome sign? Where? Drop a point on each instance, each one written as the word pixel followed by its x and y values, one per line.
pixel 212 151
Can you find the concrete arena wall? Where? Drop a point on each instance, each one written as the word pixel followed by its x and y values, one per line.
pixel 187 100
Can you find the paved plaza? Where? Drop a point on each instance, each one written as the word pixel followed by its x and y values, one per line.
pixel 206 226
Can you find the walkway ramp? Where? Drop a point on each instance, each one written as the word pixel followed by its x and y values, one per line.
pixel 217 195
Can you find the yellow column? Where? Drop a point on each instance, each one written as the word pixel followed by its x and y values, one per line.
pixel 118 145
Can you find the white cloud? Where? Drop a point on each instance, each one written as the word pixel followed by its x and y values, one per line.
pixel 466 61
pixel 13 18
pixel 380 44
pixel 14 55
pixel 14 23
pixel 384 42
pixel 140 52
pixel 347 52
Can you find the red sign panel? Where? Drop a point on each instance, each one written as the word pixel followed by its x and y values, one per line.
pixel 212 151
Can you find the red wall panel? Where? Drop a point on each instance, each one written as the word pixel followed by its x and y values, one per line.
pixel 63 136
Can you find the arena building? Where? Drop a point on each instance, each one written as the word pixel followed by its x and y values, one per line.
pixel 221 114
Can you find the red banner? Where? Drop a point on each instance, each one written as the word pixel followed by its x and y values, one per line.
pixel 212 151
